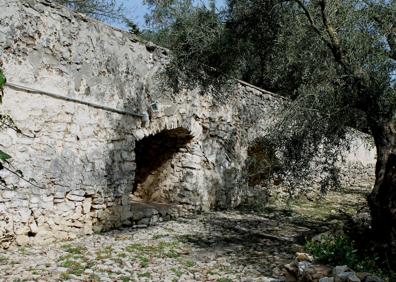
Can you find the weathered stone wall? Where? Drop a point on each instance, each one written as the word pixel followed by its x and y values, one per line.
pixel 78 161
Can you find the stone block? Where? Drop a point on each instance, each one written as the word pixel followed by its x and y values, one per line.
pixel 98 200
pixel 326 279
pixel 21 240
pixel 87 205
pixel 23 215
pixel 144 221
pixel 77 213
pixel 315 272
pixel 191 165
pixel 33 227
pixel 75 198
pixel 339 269
pixel 64 207
pixel 128 166
pixel 87 229
pixel 34 200
pixel 128 155
pixel 46 205
pixel 348 276
pixel 99 207
pixel 9 195
pixel 60 195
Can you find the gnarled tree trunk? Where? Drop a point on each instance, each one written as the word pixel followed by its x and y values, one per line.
pixel 382 199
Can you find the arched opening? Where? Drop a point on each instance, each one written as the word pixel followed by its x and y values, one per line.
pixel 154 156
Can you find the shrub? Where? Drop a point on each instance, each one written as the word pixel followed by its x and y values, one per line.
pixel 341 250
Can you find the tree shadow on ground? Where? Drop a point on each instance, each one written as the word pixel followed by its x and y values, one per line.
pixel 261 243
pixel 268 238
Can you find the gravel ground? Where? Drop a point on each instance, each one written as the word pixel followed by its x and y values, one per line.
pixel 217 246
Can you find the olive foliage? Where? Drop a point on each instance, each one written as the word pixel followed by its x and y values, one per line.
pixel 331 58
pixel 334 59
pixel 99 9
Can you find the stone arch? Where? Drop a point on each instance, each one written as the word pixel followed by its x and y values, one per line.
pixel 159 124
pixel 154 155
pixel 162 156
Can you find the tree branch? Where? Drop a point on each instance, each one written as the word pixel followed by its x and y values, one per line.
pixel 311 21
pixel 335 44
pixel 391 40
pixel 390 35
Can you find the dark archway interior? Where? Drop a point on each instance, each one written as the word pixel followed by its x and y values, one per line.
pixel 155 150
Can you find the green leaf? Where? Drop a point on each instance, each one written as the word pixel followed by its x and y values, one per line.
pixel 4 156
pixel 3 79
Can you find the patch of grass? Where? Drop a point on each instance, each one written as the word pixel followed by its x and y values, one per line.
pixel 177 272
pixel 3 260
pixel 333 250
pixel 159 236
pixel 70 257
pixel 104 253
pixel 74 267
pixel 77 250
pixel 340 250
pixel 34 272
pixel 190 263
pixel 144 261
pixel 258 207
pixel 144 274
pixel 211 272
pixel 133 248
pixel 224 280
pixel 172 254
pixel 161 249
pixel 65 276
pixel 122 255
pixel 23 250
pixel 93 277
pixel 118 261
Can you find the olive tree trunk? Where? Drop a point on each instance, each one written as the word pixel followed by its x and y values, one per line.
pixel 382 200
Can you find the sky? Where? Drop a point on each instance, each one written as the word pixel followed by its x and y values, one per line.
pixel 137 10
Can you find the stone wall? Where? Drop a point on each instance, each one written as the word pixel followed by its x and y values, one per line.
pixel 79 161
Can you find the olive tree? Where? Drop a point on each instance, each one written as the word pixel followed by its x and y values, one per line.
pixel 335 60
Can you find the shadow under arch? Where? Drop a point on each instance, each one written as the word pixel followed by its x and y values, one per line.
pixel 152 153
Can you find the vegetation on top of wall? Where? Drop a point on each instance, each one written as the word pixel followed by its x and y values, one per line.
pixel 100 9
